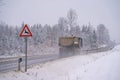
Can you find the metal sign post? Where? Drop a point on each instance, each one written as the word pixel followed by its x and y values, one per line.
pixel 25 54
pixel 25 33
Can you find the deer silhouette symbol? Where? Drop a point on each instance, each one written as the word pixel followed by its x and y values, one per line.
pixel 26 32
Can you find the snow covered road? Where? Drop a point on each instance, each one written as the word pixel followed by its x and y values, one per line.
pixel 96 66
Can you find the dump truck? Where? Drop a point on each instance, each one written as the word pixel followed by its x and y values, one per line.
pixel 69 45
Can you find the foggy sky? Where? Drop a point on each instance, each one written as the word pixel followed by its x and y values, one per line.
pixel 107 12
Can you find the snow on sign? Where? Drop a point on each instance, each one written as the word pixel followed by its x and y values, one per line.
pixel 26 32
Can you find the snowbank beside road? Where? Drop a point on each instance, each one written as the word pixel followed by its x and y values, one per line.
pixel 97 66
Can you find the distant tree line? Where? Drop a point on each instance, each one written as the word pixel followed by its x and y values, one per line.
pixel 11 43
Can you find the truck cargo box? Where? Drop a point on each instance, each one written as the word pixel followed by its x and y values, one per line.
pixel 66 41
pixel 70 41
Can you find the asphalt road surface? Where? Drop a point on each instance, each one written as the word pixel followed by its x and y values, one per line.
pixel 13 64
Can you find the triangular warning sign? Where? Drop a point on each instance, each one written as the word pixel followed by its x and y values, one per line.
pixel 25 32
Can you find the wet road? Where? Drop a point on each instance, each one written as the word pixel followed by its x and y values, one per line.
pixel 13 64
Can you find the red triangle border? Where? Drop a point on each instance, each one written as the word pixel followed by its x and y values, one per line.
pixel 21 34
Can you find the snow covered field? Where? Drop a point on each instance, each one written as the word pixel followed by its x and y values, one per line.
pixel 96 66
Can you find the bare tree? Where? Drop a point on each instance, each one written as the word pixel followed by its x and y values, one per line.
pixel 103 34
pixel 72 18
pixel 62 24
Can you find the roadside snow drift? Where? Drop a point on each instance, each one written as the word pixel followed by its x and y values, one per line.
pixel 93 66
